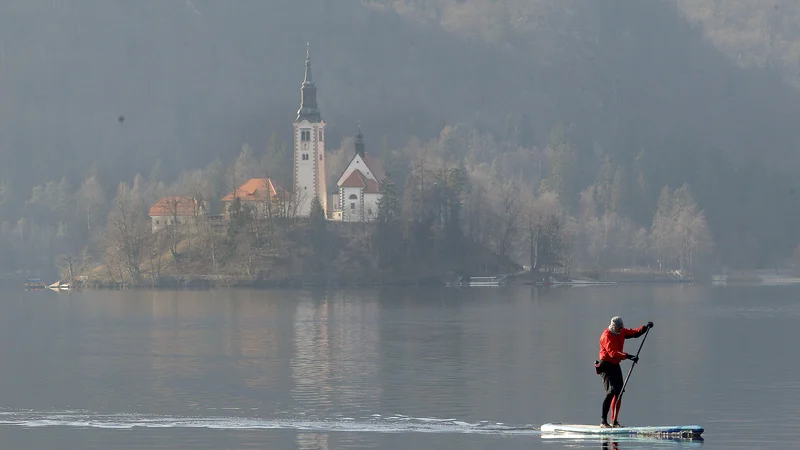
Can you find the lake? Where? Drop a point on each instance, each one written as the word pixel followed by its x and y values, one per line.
pixel 400 368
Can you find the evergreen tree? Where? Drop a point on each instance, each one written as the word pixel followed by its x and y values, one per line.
pixel 389 203
pixel 389 231
pixel 317 227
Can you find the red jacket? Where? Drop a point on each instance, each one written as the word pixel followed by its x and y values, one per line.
pixel 611 344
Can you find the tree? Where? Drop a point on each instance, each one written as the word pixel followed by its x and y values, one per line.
pixel 551 244
pixel 603 183
pixel 388 233
pixel 246 166
pixel 277 160
pixel 509 208
pixel 239 219
pixel 537 211
pixel 128 231
pixel 680 232
pixel 175 206
pixel 419 208
pixel 477 214
pixel 455 182
pixel 619 200
pixel 316 224
pixel 389 209
pixel 215 175
pixel 90 198
pixel 562 159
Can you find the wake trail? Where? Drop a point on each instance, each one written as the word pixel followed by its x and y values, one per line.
pixel 371 424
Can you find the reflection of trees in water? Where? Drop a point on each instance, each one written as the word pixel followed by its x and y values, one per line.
pixel 335 352
pixel 181 343
pixel 312 441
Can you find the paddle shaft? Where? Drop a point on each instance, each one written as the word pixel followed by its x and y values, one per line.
pixel 633 365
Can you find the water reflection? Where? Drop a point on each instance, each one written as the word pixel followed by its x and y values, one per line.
pixel 397 368
pixel 336 345
pixel 312 441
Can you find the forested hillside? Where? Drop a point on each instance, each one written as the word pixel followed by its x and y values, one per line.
pixel 654 93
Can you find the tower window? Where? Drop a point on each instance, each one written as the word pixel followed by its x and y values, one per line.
pixel 305 157
pixel 353 205
pixel 320 136
pixel 305 135
pixel 353 197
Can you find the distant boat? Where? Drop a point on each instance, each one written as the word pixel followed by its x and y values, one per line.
pixel 479 281
pixel 485 281
pixel 60 285
pixel 581 282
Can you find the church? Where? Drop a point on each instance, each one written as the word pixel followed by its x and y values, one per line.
pixel 358 188
pixel 359 184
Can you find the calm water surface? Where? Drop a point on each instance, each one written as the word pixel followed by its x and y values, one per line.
pixel 391 369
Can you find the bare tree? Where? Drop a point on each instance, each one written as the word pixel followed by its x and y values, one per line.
pixel 155 244
pixel 90 198
pixel 128 230
pixel 175 208
pixel 537 211
pixel 509 209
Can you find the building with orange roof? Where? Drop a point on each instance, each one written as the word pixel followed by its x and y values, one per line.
pixel 257 194
pixel 175 210
pixel 359 187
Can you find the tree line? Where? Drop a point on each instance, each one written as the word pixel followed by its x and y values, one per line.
pixel 463 195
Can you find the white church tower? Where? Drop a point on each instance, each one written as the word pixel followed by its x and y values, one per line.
pixel 309 148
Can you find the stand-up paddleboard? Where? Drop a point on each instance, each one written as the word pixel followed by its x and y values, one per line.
pixel 686 431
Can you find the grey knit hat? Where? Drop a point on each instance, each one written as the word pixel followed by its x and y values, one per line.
pixel 616 321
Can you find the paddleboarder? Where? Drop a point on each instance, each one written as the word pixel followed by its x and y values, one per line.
pixel 612 342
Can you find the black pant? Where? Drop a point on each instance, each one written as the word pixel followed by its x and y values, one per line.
pixel 612 382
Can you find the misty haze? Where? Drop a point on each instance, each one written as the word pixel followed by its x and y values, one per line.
pixel 343 215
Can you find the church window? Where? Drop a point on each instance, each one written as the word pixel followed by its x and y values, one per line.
pixel 353 205
pixel 353 197
pixel 305 135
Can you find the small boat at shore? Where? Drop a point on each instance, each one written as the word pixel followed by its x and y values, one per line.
pixel 478 282
pixel 579 282
pixel 60 285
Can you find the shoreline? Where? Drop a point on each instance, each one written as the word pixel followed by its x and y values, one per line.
pixel 580 279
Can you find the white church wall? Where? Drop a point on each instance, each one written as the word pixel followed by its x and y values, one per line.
pixel 352 205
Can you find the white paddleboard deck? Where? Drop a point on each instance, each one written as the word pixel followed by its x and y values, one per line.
pixel 687 431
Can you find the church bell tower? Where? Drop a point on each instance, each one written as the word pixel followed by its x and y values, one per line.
pixel 309 148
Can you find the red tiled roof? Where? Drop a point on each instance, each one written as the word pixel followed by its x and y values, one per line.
pixel 256 189
pixel 359 180
pixel 372 187
pixel 356 179
pixel 375 167
pixel 178 206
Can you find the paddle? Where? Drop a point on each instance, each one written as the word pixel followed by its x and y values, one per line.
pixel 632 366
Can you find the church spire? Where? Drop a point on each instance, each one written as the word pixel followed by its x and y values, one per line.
pixel 307 79
pixel 360 143
pixel 308 94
